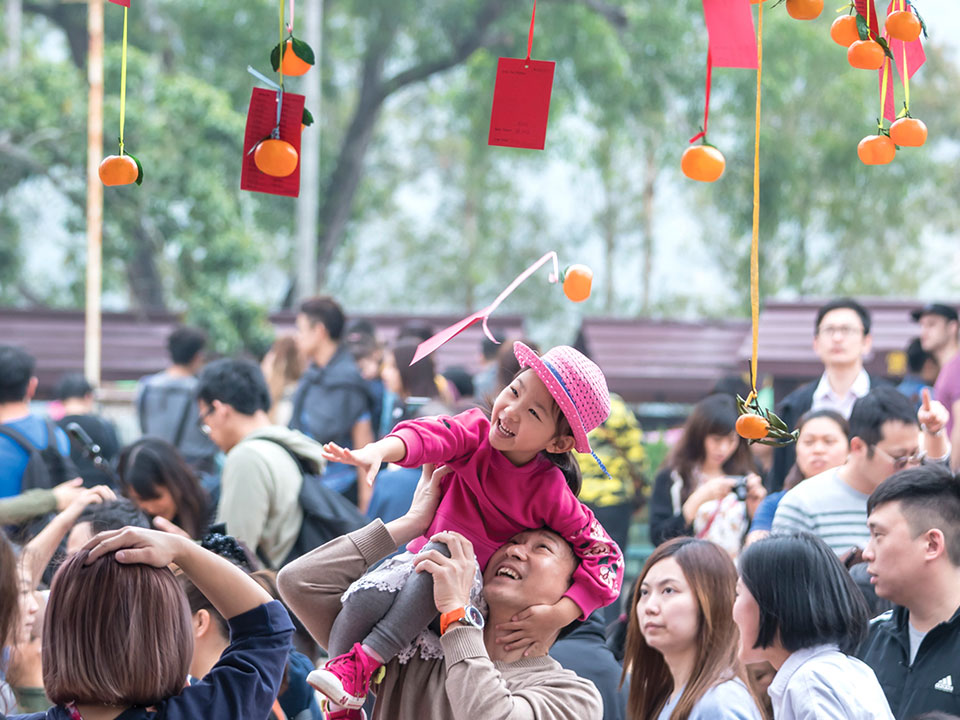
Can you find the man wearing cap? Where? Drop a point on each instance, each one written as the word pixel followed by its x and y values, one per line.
pixel 938 336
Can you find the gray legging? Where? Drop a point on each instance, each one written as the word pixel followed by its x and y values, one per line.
pixel 386 621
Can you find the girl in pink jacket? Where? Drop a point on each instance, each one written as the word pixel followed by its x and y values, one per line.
pixel 511 472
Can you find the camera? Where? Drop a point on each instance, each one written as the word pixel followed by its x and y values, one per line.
pixel 740 487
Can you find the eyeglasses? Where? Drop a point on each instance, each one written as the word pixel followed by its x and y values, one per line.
pixel 202 420
pixel 899 463
pixel 844 331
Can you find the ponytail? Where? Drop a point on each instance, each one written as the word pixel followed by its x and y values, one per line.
pixel 570 468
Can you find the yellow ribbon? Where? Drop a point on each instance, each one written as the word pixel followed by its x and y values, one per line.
pixel 123 78
pixel 280 63
pixel 906 75
pixel 883 89
pixel 755 246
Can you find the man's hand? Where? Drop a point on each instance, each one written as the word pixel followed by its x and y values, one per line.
pixel 452 576
pixel 87 496
pixel 367 459
pixel 534 630
pixel 426 497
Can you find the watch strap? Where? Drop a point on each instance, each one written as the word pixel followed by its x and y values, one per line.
pixel 447 618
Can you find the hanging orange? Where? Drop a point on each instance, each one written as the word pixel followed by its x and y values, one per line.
pixel 903 25
pixel 702 162
pixel 804 9
pixel 866 55
pixel 908 132
pixel 876 150
pixel 276 157
pixel 118 170
pixel 752 427
pixel 577 282
pixel 844 30
pixel 292 64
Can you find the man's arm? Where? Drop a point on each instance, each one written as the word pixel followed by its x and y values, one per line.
pixel 955 436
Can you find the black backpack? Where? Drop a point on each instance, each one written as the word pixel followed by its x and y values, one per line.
pixel 46 468
pixel 326 513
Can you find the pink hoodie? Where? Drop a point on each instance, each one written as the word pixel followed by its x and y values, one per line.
pixel 488 499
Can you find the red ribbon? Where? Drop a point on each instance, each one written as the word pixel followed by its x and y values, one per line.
pixel 706 105
pixel 533 19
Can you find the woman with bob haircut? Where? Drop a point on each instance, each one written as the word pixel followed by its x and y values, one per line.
pixel 681 651
pixel 118 641
pixel 157 478
pixel 798 609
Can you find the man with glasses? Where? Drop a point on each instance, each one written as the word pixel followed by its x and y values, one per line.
pixel 885 437
pixel 841 339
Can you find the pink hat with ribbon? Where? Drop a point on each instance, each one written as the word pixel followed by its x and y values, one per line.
pixel 577 385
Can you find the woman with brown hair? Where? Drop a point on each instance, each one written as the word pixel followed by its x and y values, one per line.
pixel 708 486
pixel 682 643
pixel 155 476
pixel 282 367
pixel 117 636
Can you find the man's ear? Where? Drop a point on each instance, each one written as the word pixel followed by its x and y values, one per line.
pixel 936 544
pixel 857 446
pixel 31 389
pixel 201 623
pixel 561 444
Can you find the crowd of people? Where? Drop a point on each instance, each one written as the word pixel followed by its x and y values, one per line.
pixel 332 532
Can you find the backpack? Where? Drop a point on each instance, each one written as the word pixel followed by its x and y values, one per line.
pixel 45 468
pixel 326 513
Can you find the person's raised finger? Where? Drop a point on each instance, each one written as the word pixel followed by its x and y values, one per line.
pixel 925 397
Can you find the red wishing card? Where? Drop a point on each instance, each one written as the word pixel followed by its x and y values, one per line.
pixel 261 119
pixel 521 103
pixel 125 3
pixel 733 41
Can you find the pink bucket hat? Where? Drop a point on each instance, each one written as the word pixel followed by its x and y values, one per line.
pixel 575 382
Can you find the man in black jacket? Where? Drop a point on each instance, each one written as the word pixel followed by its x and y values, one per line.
pixel 841 339
pixel 913 558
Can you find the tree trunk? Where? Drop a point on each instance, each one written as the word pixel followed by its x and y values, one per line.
pixel 649 190
pixel 143 276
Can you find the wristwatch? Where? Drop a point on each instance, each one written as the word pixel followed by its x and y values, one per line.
pixel 467 615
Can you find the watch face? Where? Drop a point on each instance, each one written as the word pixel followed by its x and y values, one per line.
pixel 473 616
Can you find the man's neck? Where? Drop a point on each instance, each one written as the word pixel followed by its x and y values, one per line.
pixel 938 602
pixel 245 425
pixel 14 411
pixel 947 353
pixel 842 377
pixel 180 371
pixel 849 474
pixel 74 406
pixel 498 652
pixel 324 353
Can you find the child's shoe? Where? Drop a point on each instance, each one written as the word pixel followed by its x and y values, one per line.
pixel 346 714
pixel 345 679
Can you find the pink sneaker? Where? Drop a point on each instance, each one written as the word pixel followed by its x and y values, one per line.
pixel 346 714
pixel 345 679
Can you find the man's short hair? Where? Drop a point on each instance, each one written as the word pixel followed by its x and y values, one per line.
pixel 113 515
pixel 929 497
pixel 16 369
pixel 324 309
pixel 844 304
pixel 72 385
pixel 185 343
pixel 880 405
pixel 96 662
pixel 805 595
pixel 916 356
pixel 237 383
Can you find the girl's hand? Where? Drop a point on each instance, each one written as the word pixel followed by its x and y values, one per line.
pixel 715 489
pixel 756 492
pixel 137 545
pixel 533 630
pixel 367 459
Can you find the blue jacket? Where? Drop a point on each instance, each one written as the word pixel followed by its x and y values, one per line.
pixel 243 684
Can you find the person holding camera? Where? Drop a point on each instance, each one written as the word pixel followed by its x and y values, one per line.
pixel 708 486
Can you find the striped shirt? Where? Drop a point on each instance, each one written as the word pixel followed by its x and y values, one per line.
pixel 827 507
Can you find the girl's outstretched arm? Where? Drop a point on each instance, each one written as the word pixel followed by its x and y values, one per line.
pixel 368 458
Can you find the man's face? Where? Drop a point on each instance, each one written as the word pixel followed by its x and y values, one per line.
pixel 895 559
pixel 214 422
pixel 309 334
pixel 840 339
pixel 936 332
pixel 897 449
pixel 534 567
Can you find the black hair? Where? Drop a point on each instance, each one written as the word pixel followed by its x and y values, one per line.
pixel 916 356
pixel 237 383
pixel 72 385
pixel 113 515
pixel 844 304
pixel 929 497
pixel 458 376
pixel 418 380
pixel 150 462
pixel 324 309
pixel 489 348
pixel 418 330
pixel 198 601
pixel 805 595
pixel 879 406
pixel 185 343
pixel 839 419
pixel 936 715
pixel 16 369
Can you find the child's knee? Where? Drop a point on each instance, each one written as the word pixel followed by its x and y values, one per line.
pixel 438 546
